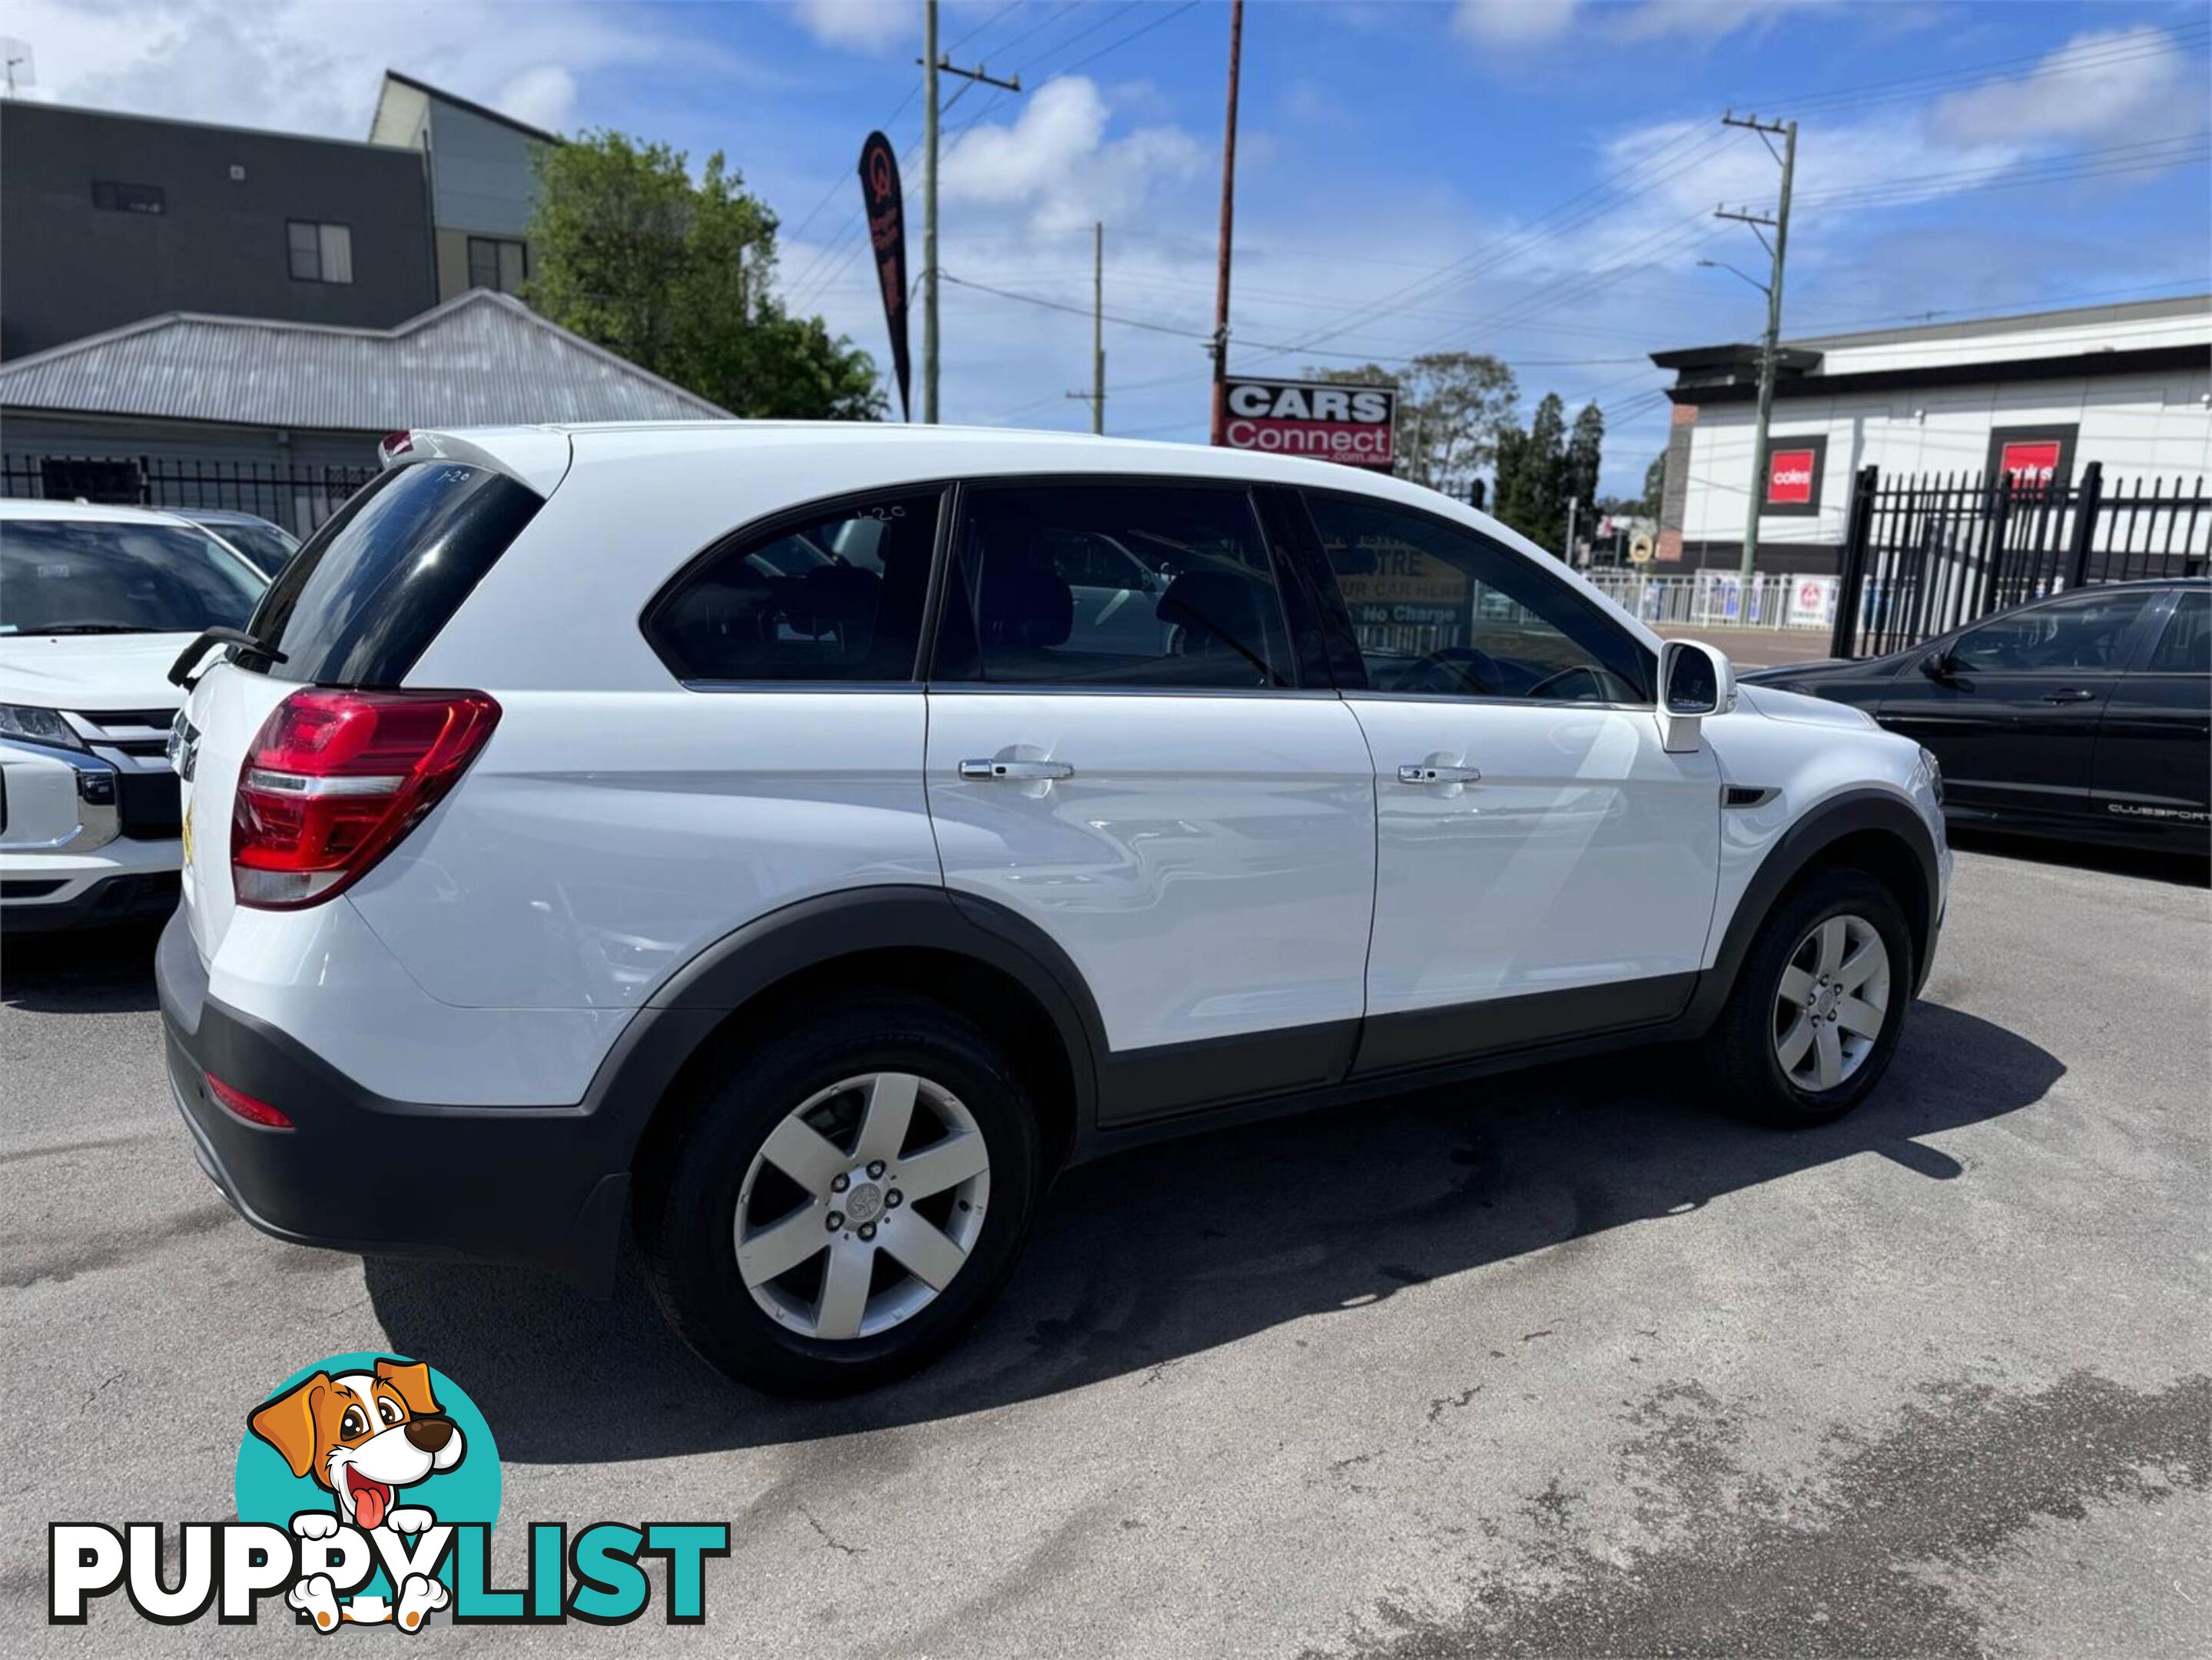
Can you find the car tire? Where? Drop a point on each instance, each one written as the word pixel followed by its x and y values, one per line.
pixel 762 1162
pixel 1792 1046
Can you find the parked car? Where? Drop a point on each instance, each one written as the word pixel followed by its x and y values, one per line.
pixel 268 547
pixel 806 920
pixel 2086 716
pixel 95 602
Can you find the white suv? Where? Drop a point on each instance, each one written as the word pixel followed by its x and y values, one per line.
pixel 95 604
pixel 742 836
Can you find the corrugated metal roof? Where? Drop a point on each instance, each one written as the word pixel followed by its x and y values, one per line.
pixel 483 359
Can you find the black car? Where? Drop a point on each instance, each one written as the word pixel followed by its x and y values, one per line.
pixel 2087 715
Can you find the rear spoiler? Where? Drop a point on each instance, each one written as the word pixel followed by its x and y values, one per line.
pixel 535 458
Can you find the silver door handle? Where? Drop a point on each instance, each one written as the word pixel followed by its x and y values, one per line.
pixel 985 771
pixel 1429 775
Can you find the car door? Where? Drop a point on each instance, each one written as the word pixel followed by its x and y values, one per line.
pixel 1182 812
pixel 2011 705
pixel 2154 762
pixel 1544 866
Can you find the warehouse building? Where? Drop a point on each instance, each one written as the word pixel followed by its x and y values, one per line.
pixel 2034 399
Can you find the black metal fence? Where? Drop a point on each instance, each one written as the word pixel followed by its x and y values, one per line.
pixel 1923 555
pixel 297 497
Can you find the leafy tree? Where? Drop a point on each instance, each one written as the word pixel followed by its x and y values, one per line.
pixel 678 277
pixel 1540 469
pixel 1654 485
pixel 1451 405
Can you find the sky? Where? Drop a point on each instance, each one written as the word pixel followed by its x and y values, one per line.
pixel 1532 179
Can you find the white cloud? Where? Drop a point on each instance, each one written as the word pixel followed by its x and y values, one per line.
pixel 2101 84
pixel 1509 24
pixel 301 66
pixel 1513 22
pixel 1055 161
pixel 543 96
pixel 869 25
pixel 1710 20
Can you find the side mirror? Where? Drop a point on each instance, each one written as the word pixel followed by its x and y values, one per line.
pixel 1938 665
pixel 1695 680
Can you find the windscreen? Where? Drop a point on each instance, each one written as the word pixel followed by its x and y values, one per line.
pixel 363 599
pixel 111 576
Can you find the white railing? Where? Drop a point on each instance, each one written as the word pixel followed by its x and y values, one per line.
pixel 1716 599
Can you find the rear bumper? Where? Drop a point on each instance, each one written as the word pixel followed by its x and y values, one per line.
pixel 543 1186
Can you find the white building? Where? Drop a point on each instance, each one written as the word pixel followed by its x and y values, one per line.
pixel 2128 387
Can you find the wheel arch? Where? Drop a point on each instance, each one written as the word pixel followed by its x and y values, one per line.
pixel 990 965
pixel 1867 829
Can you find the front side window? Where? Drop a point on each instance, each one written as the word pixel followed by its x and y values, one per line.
pixel 320 252
pixel 1119 585
pixel 2081 631
pixel 1441 611
pixel 833 594
pixel 95 576
pixel 2185 645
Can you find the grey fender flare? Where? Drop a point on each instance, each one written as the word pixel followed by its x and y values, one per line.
pixel 1847 813
pixel 688 1008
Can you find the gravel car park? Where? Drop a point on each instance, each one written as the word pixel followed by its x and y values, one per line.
pixel 1562 1364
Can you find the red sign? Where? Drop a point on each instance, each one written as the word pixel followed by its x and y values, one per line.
pixel 1350 424
pixel 2030 463
pixel 1792 477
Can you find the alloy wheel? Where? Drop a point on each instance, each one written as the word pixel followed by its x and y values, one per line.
pixel 1831 1005
pixel 862 1205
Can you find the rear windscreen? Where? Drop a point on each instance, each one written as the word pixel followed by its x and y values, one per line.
pixel 362 600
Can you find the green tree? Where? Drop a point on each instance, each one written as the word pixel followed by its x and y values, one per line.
pixel 1655 486
pixel 1540 470
pixel 1451 405
pixel 678 276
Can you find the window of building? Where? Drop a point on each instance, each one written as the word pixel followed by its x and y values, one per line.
pixel 1442 611
pixel 497 263
pixel 836 596
pixel 118 198
pixel 320 253
pixel 1121 584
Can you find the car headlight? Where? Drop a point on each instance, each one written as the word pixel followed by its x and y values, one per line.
pixel 1932 771
pixel 35 725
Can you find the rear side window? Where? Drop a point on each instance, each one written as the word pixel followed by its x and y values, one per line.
pixel 1121 585
pixel 835 594
pixel 363 599
pixel 2185 647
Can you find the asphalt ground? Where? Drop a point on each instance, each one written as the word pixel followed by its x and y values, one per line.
pixel 1564 1364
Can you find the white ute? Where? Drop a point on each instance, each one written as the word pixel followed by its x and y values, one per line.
pixel 791 846
pixel 95 603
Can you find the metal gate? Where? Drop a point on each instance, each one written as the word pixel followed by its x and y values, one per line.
pixel 1923 555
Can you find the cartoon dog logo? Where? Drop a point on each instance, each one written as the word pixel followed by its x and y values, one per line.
pixel 363 1436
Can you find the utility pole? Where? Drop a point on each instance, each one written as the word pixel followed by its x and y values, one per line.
pixel 1097 395
pixel 1572 503
pixel 932 65
pixel 1097 328
pixel 1220 421
pixel 1777 251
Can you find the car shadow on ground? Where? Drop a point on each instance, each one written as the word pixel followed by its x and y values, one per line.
pixel 107 970
pixel 1157 1254
pixel 2156 864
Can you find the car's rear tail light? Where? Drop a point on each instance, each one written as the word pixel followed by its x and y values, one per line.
pixel 239 1104
pixel 334 779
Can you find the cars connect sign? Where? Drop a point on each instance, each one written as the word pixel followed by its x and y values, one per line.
pixel 1350 424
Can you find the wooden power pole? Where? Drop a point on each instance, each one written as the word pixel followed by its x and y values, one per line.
pixel 1779 250
pixel 1220 421
pixel 932 64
